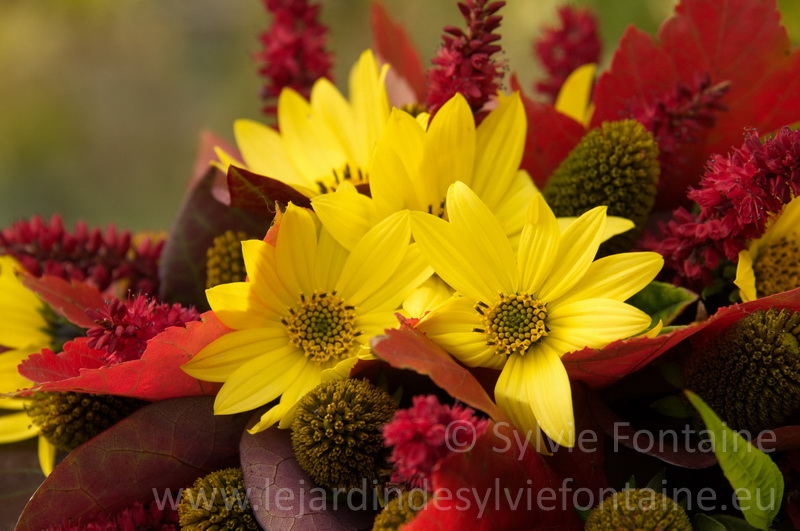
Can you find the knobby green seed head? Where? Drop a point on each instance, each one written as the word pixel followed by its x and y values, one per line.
pixel 400 511
pixel 217 501
pixel 336 434
pixel 67 419
pixel 614 165
pixel 224 262
pixel 750 373
pixel 640 510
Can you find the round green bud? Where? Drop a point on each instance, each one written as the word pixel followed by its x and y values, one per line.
pixel 640 510
pixel 217 501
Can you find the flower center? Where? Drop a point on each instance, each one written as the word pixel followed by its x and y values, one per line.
pixel 322 325
pixel 777 268
pixel 514 323
pixel 330 184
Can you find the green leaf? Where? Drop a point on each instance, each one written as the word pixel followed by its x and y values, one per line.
pixel 756 480
pixel 663 301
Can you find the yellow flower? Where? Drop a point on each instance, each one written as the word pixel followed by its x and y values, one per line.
pixel 770 264
pixel 307 312
pixel 413 166
pixel 521 311
pixel 22 333
pixel 574 98
pixel 323 141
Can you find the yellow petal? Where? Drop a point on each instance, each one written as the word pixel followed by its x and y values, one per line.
pixel 450 143
pixel 296 249
pixel 614 225
pixel 574 96
pixel 375 259
pixel 236 305
pixel 488 247
pixel 412 271
pixel 264 153
pixel 538 246
pixel 223 356
pixel 429 295
pixel 259 381
pixel 512 394
pixel 576 251
pixel 346 214
pixel 594 323
pixel 615 277
pixel 443 246
pixel 746 277
pixel 328 102
pixel 370 103
pixel 47 456
pixel 311 377
pixel 15 427
pixel 785 225
pixel 500 142
pixel 331 257
pixel 260 263
pixel 512 209
pixel 550 393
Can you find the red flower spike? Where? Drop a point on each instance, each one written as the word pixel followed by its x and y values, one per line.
pixel 424 434
pixel 563 48
pixel 138 516
pixel 737 195
pixel 294 54
pixel 464 63
pixel 86 255
pixel 735 41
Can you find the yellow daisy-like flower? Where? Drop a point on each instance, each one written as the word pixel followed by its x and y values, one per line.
pixel 771 264
pixel 307 312
pixel 521 311
pixel 22 333
pixel 574 98
pixel 321 142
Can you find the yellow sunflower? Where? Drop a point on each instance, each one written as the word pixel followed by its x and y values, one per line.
pixel 321 142
pixel 22 333
pixel 770 264
pixel 307 312
pixel 521 311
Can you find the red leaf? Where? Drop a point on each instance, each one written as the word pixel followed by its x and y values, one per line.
pixel 740 41
pixel 70 299
pixel 601 368
pixel 144 458
pixel 551 136
pixel 259 193
pixel 498 484
pixel 202 218
pixel 408 348
pixel 283 496
pixel 392 45
pixel 156 376
pixel 48 366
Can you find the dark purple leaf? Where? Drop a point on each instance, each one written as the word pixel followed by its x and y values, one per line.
pixel 259 193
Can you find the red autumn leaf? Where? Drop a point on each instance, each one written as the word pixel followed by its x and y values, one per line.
pixel 259 193
pixel 740 41
pixel 551 136
pixel 282 495
pixel 408 348
pixel 47 366
pixel 70 299
pixel 144 458
pixel 392 45
pixel 156 376
pixel 498 484
pixel 202 217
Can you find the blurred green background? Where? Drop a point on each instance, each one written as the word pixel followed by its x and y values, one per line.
pixel 103 101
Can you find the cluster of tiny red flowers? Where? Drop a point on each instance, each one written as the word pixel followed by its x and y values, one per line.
pixel 137 516
pixel 124 327
pixel 465 63
pixel 737 195
pixel 93 256
pixel 425 433
pixel 293 53
pixel 563 48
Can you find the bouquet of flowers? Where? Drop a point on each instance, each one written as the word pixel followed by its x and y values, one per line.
pixel 442 299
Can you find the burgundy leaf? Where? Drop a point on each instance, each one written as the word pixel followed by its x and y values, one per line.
pixel 259 193
pixel 70 299
pixel 146 457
